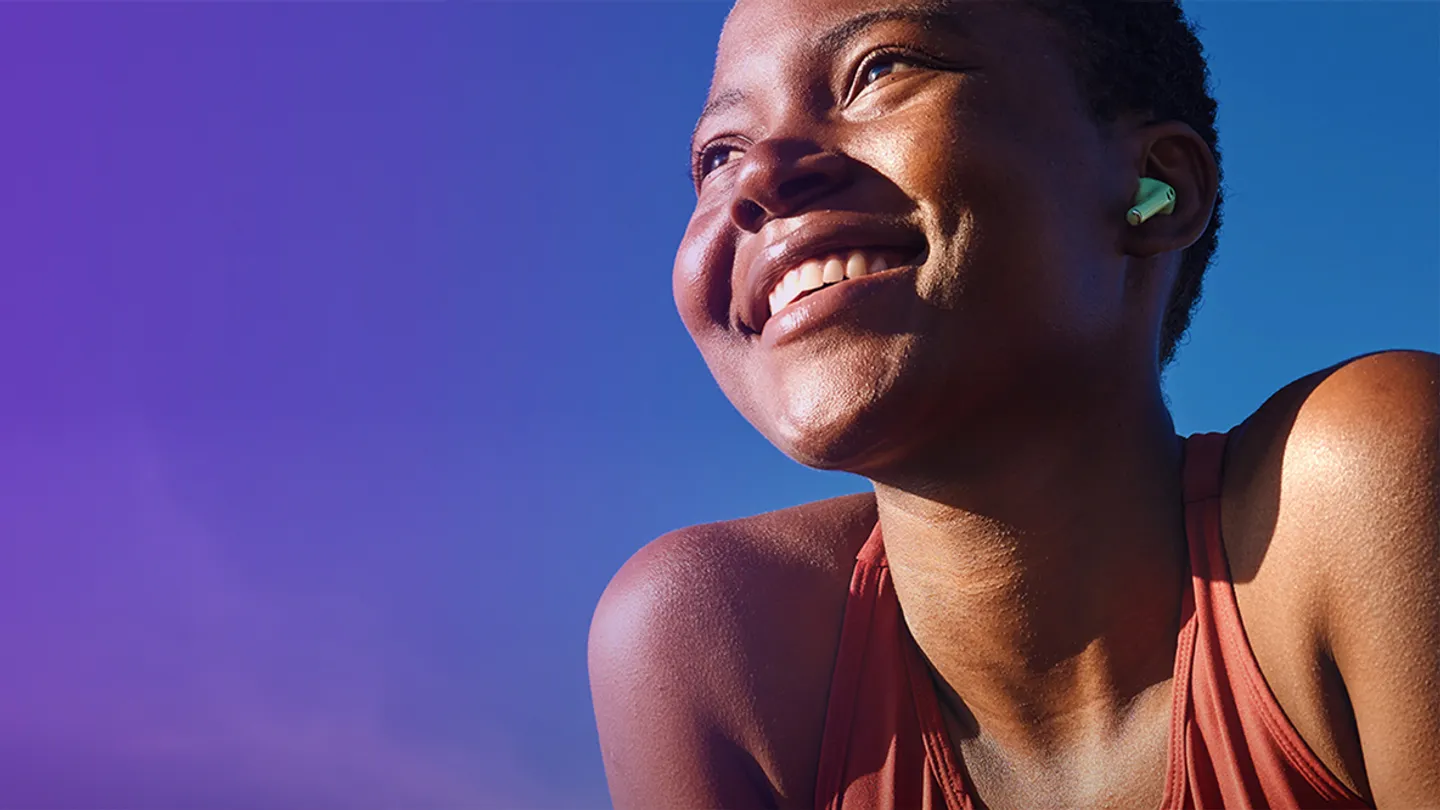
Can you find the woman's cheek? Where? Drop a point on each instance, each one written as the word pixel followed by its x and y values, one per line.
pixel 702 275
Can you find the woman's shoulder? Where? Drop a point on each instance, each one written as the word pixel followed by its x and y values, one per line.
pixel 1330 504
pixel 1352 446
pixel 712 649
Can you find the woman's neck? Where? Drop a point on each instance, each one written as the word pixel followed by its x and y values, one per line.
pixel 1041 574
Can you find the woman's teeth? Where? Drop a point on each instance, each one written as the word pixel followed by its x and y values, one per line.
pixel 816 273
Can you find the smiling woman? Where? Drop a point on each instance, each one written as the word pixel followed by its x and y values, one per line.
pixel 910 259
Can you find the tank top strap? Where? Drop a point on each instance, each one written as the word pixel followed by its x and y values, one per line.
pixel 1203 476
pixel 884 745
pixel 860 608
pixel 873 552
pixel 1204 466
pixel 1234 738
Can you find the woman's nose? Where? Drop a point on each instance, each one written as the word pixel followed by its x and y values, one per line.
pixel 781 177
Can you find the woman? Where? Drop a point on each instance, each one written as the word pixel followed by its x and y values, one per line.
pixel 922 252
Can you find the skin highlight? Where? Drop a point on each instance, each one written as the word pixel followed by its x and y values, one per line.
pixel 1001 391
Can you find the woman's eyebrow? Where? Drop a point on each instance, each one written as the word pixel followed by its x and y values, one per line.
pixel 925 15
pixel 717 104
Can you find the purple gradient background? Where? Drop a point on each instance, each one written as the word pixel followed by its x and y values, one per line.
pixel 340 369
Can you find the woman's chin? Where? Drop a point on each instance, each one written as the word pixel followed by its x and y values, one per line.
pixel 854 441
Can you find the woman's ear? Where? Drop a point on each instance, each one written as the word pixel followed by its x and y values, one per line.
pixel 1173 153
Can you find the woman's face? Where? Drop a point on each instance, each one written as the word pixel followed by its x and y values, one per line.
pixel 947 150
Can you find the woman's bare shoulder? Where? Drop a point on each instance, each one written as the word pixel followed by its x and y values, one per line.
pixel 711 652
pixel 1330 509
pixel 1346 448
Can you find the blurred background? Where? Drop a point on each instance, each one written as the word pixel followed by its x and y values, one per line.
pixel 340 370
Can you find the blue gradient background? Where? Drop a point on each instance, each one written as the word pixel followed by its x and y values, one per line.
pixel 341 372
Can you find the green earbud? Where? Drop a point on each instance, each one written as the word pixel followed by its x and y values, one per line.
pixel 1154 197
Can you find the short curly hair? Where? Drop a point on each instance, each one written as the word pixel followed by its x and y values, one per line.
pixel 1144 56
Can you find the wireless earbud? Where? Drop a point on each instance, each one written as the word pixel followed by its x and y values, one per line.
pixel 1154 197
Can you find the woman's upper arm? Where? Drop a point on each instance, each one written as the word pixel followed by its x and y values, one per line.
pixel 661 671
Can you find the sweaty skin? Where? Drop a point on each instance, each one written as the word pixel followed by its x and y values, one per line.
pixel 1000 389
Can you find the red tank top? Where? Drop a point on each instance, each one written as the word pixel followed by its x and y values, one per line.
pixel 885 743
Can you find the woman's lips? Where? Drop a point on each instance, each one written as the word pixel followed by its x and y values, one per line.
pixel 784 268
pixel 837 303
pixel 813 274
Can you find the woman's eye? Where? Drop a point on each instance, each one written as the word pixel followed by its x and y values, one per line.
pixel 715 157
pixel 882 67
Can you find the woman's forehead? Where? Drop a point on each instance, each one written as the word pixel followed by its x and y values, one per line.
pixel 760 37
pixel 754 24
